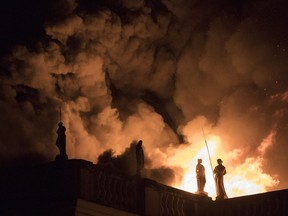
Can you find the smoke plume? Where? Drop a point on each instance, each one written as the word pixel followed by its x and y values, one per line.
pixel 158 71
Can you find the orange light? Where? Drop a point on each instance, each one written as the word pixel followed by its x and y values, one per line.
pixel 241 179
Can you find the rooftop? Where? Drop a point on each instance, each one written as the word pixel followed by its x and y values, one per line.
pixel 79 187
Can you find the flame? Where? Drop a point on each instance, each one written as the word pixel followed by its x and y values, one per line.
pixel 241 179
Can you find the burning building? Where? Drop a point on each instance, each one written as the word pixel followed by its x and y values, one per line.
pixel 159 71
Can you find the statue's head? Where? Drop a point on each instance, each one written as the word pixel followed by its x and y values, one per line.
pixel 219 161
pixel 199 160
pixel 60 123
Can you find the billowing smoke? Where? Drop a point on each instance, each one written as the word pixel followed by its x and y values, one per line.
pixel 158 71
pixel 126 163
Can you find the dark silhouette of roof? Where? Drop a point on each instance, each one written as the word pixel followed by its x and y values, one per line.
pixel 61 187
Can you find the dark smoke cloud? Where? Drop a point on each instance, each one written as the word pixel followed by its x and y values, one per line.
pixel 126 163
pixel 127 70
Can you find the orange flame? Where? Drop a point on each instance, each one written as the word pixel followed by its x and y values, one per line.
pixel 241 179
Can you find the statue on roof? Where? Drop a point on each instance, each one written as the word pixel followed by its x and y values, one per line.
pixel 61 141
pixel 201 178
pixel 139 157
pixel 219 172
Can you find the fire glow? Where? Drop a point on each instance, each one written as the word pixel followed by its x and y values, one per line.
pixel 241 179
pixel 158 71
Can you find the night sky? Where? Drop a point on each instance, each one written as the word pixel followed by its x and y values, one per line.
pixel 156 70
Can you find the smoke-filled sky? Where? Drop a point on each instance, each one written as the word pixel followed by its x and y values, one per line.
pixel 155 70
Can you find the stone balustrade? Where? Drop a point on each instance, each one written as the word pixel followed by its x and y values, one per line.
pixel 55 189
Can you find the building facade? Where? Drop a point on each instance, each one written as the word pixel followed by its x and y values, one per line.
pixel 78 187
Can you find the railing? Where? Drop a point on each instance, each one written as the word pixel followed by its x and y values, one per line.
pixel 133 194
pixel 60 184
pixel 147 197
pixel 267 204
pixel 102 185
pixel 167 201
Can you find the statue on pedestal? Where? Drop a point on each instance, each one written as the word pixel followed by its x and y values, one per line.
pixel 201 178
pixel 219 172
pixel 139 157
pixel 61 141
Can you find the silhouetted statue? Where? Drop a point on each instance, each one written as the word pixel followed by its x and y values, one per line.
pixel 61 142
pixel 219 172
pixel 139 157
pixel 201 178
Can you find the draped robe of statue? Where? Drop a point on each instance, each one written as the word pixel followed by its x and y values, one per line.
pixel 201 178
pixel 139 157
pixel 219 172
pixel 61 142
